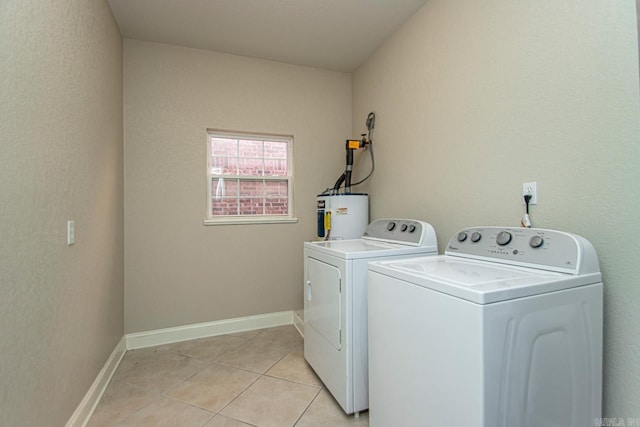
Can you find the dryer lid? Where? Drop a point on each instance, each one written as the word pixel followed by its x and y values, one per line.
pixel 364 248
pixel 355 245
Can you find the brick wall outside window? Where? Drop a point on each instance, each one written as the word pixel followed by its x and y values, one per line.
pixel 249 176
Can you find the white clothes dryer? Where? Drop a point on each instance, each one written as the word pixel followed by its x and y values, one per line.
pixel 503 330
pixel 335 302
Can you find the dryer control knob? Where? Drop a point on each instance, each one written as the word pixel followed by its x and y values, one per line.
pixel 475 237
pixel 404 227
pixel 503 238
pixel 412 228
pixel 536 241
pixel 391 226
pixel 462 236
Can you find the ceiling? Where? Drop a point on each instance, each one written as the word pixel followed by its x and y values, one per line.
pixel 330 34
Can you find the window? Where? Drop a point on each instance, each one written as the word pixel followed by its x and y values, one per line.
pixel 249 178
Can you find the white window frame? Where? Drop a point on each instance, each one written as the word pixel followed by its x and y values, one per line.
pixel 249 219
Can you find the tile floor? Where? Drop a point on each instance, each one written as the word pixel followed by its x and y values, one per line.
pixel 256 378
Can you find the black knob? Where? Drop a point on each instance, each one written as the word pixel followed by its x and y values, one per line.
pixel 404 227
pixel 412 228
pixel 536 241
pixel 391 226
pixel 503 238
pixel 462 237
pixel 475 237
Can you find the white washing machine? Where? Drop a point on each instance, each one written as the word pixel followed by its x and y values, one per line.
pixel 503 330
pixel 335 302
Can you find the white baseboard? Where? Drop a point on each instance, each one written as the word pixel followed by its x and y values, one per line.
pixel 298 322
pixel 84 411
pixel 208 329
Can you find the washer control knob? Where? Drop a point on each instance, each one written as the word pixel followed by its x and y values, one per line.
pixel 404 227
pixel 536 241
pixel 503 238
pixel 475 237
pixel 391 225
pixel 412 228
pixel 462 236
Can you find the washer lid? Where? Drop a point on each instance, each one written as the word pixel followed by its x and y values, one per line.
pixel 364 248
pixel 480 282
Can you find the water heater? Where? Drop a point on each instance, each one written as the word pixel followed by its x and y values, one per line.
pixel 342 216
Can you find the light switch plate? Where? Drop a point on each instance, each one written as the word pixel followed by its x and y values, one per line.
pixel 71 232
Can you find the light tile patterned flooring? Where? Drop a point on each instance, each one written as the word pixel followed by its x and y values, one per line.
pixel 257 378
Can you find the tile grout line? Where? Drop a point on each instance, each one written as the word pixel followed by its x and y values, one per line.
pixel 208 365
pixel 307 408
pixel 247 388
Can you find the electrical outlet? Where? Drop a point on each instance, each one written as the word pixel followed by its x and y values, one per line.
pixel 71 232
pixel 530 188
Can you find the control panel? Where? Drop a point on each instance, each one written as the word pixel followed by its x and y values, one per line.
pixel 407 231
pixel 531 247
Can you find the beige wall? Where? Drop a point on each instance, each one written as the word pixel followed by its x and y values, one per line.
pixel 475 98
pixel 61 307
pixel 178 271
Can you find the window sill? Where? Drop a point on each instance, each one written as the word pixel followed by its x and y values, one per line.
pixel 258 220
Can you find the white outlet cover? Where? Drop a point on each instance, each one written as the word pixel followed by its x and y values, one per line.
pixel 530 188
